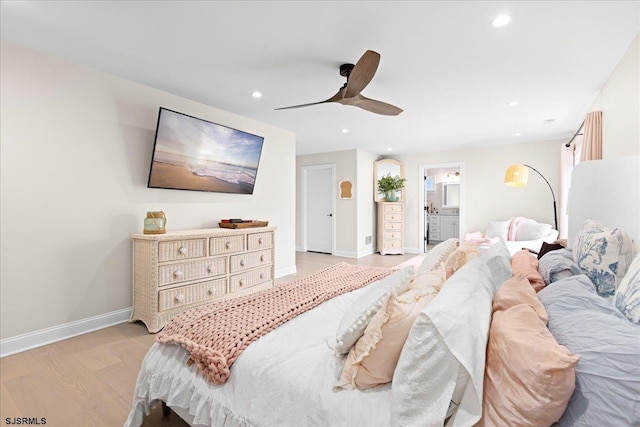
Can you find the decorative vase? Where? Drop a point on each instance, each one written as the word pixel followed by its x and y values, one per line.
pixel 391 196
pixel 155 223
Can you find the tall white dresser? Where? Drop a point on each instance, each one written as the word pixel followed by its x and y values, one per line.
pixel 184 269
pixel 390 239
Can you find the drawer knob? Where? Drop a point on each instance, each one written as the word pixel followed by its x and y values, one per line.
pixel 177 273
pixel 179 298
pixel 211 292
pixel 228 245
pixel 242 262
pixel 259 240
pixel 241 283
pixel 182 250
pixel 262 275
pixel 211 268
pixel 261 258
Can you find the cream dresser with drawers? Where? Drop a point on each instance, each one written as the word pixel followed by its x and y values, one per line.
pixel 184 269
pixel 390 228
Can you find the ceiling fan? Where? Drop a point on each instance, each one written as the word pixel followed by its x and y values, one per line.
pixel 358 77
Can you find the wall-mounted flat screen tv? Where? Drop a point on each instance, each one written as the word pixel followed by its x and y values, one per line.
pixel 195 154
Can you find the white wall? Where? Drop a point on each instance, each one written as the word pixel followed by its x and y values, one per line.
pixel 75 154
pixel 619 101
pixel 486 198
pixel 345 216
pixel 366 204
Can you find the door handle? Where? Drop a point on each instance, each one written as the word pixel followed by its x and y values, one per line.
pixel 330 214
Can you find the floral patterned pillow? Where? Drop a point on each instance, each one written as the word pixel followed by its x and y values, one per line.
pixel 628 293
pixel 604 254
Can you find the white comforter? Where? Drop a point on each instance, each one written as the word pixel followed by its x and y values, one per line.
pixel 285 378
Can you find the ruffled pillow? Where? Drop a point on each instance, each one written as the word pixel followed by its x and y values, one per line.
pixel 357 317
pixel 437 256
pixel 463 254
pixel 373 359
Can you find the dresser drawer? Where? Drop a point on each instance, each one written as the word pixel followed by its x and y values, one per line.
pixel 243 262
pixel 184 271
pixel 393 244
pixel 393 208
pixel 185 295
pixel 225 245
pixel 393 235
pixel 249 279
pixel 259 241
pixel 181 249
pixel 393 216
pixel 393 226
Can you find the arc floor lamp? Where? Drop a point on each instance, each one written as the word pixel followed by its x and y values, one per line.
pixel 518 175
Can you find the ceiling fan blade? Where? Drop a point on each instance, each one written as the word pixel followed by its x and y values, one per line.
pixel 301 105
pixel 335 98
pixel 372 105
pixel 362 73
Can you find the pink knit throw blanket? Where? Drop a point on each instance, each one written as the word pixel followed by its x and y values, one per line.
pixel 215 334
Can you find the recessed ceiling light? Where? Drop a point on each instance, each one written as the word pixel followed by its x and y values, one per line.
pixel 501 20
pixel 345 130
pixel 257 94
pixel 518 134
pixel 512 103
pixel 389 149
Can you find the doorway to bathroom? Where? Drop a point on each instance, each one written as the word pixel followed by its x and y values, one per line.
pixel 441 202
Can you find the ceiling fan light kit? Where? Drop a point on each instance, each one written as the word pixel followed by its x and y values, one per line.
pixel 358 77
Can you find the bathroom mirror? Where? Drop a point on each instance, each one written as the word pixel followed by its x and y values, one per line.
pixel 382 168
pixel 450 195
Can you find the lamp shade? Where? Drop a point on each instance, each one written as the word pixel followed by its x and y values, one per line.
pixel 517 175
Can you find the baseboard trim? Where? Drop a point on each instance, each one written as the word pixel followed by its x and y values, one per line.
pixel 46 336
pixel 366 252
pixel 414 250
pixel 346 254
pixel 286 271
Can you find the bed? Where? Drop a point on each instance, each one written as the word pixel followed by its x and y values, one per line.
pixel 292 375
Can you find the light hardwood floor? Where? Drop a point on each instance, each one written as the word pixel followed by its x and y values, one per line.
pixel 89 380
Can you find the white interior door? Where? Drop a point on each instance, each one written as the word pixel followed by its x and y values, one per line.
pixel 319 209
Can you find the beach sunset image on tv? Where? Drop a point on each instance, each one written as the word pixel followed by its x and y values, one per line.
pixel 195 154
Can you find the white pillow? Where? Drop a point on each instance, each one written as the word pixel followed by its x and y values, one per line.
pixel 498 229
pixel 437 256
pixel 449 335
pixel 628 293
pixel 529 229
pixel 357 317
pixel 373 359
pixel 604 254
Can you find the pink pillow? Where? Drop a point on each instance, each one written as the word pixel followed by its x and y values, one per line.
pixel 373 359
pixel 518 291
pixel 525 262
pixel 463 254
pixel 529 378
